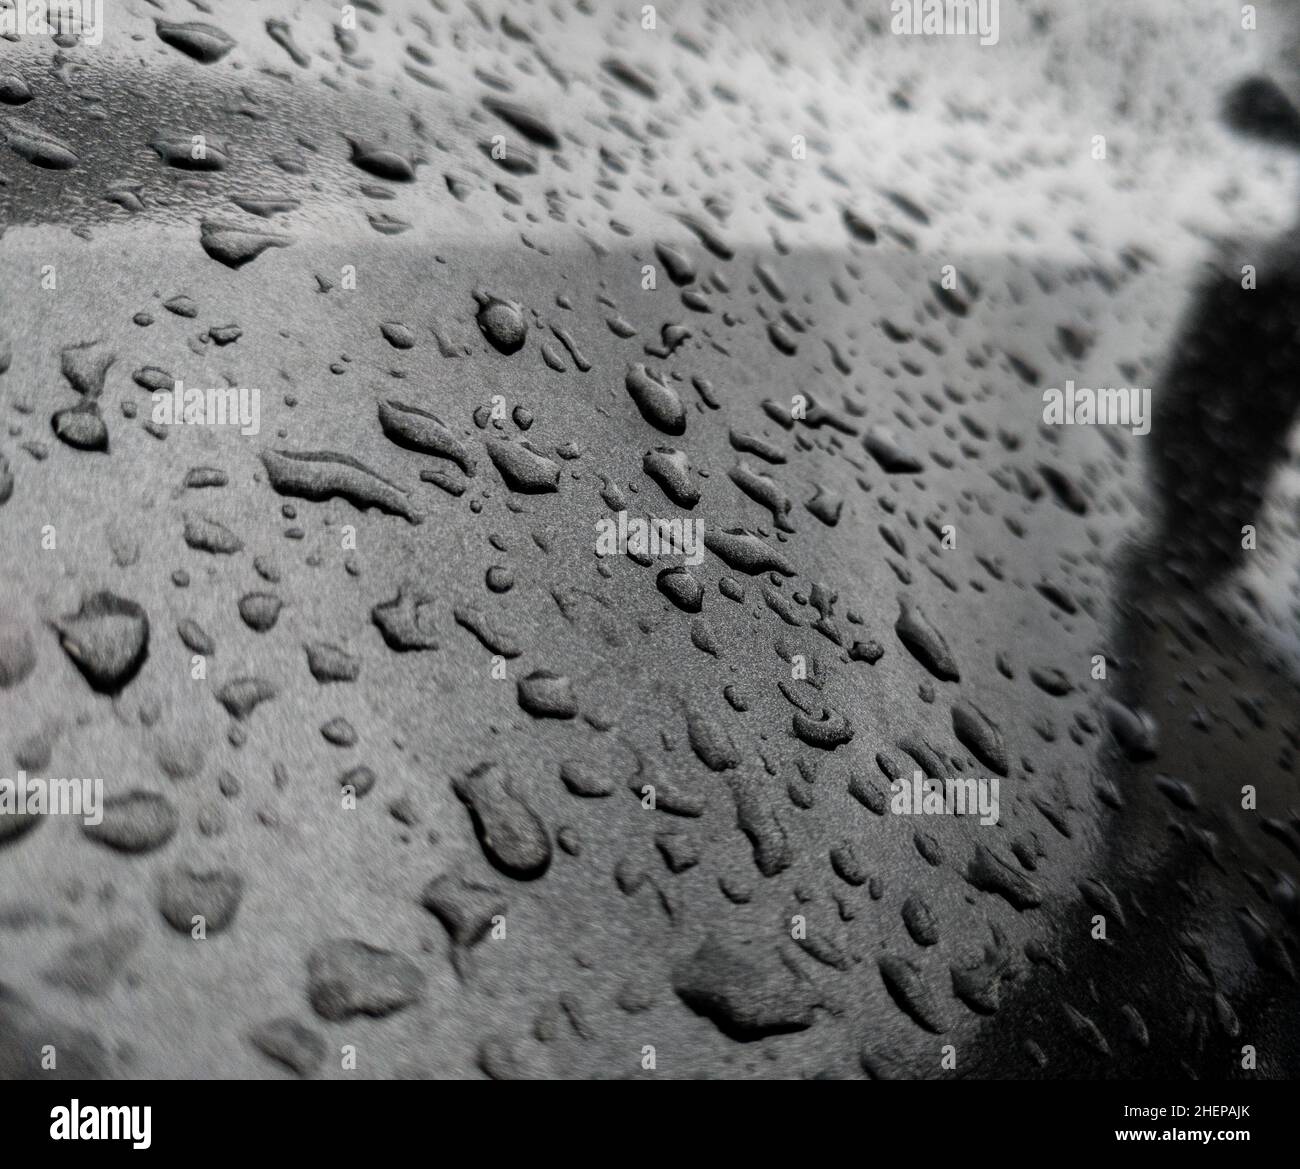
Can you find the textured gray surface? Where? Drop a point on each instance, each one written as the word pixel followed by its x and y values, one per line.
pixel 627 927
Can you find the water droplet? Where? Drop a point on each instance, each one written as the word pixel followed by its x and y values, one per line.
pixel 205 43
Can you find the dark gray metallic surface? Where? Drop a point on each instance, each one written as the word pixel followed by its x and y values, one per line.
pixel 425 600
